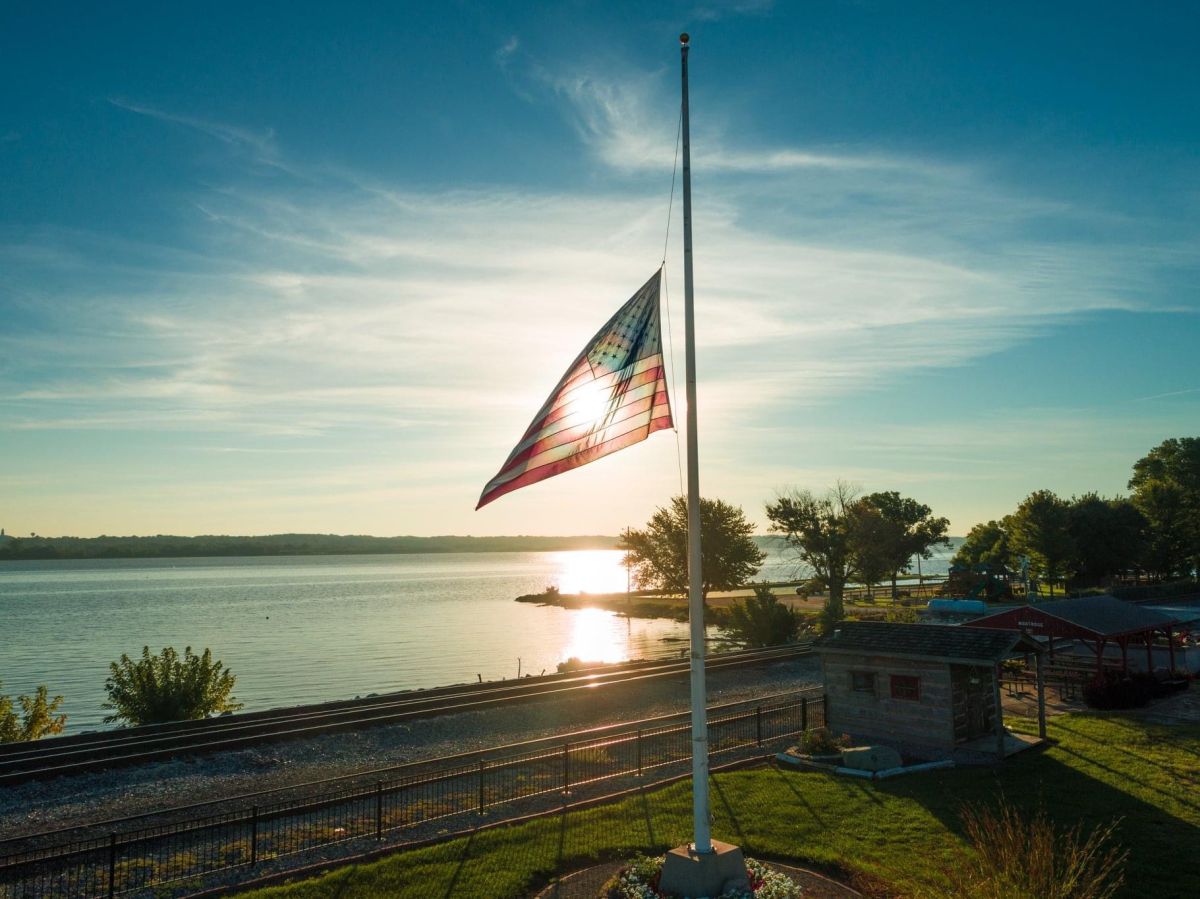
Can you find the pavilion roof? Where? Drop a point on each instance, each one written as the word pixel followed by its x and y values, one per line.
pixel 1100 616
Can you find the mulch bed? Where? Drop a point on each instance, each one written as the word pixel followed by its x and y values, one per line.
pixel 586 884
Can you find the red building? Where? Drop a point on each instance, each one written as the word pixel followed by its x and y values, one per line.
pixel 1095 621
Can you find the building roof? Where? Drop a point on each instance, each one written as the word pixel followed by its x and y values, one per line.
pixel 951 643
pixel 1100 616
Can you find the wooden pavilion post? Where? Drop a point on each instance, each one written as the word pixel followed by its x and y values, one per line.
pixel 1041 694
pixel 1171 648
pixel 1149 652
pixel 999 711
pixel 1124 644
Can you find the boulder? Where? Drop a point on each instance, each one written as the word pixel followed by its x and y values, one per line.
pixel 871 758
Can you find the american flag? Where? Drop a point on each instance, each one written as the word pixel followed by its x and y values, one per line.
pixel 613 395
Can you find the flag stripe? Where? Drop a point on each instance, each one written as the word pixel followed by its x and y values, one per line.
pixel 559 399
pixel 614 394
pixel 574 432
pixel 591 435
pixel 594 438
pixel 621 389
pixel 597 452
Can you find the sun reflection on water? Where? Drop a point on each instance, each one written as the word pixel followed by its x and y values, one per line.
pixel 597 635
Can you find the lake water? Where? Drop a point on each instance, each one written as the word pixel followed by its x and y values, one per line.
pixel 302 629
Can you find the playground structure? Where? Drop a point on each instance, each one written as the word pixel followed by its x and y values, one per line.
pixel 992 583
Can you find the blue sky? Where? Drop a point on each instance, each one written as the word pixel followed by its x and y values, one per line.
pixel 303 267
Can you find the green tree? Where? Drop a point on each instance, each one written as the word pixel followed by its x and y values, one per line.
pixel 1164 506
pixel 1040 530
pixel 1109 536
pixel 986 544
pixel 762 620
pixel 161 688
pixel 1166 489
pixel 37 718
pixel 819 530
pixel 873 542
pixel 657 555
pixel 913 530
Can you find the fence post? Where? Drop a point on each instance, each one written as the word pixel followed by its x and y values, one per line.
pixel 566 768
pixel 379 810
pixel 803 713
pixel 758 725
pixel 482 763
pixel 112 865
pixel 825 709
pixel 254 836
pixel 639 752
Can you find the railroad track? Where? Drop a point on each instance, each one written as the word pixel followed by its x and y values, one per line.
pixel 59 756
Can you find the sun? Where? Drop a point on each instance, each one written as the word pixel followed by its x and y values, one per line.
pixel 589 404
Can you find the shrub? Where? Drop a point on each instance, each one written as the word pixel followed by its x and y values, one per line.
pixel 762 620
pixel 821 741
pixel 37 718
pixel 157 689
pixel 1019 857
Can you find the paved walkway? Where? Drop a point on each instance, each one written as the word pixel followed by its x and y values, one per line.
pixel 1024 703
pixel 1182 708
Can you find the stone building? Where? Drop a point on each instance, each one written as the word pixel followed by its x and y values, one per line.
pixel 931 691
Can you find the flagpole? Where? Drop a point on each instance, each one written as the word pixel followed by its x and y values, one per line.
pixel 700 825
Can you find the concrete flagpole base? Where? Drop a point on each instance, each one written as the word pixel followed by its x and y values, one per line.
pixel 689 873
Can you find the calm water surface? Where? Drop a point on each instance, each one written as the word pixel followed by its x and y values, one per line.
pixel 301 629
pixel 310 628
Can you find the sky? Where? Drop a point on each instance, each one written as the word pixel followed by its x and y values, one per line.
pixel 313 267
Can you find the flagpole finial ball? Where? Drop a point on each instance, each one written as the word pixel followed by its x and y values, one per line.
pixel 683 38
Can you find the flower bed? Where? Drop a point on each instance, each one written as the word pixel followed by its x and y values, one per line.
pixel 639 880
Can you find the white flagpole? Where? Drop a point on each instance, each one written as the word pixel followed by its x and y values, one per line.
pixel 703 837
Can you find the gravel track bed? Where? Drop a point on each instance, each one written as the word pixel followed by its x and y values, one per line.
pixel 88 799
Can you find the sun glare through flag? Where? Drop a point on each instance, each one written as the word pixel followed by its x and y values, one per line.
pixel 613 395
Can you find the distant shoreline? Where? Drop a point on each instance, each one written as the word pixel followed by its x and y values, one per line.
pixel 30 549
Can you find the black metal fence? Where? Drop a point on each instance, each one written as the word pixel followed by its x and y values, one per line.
pixel 188 851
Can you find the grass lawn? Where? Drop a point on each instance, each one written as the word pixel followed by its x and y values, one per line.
pixel 890 838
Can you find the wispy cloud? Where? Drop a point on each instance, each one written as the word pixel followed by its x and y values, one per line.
pixel 715 10
pixel 258 145
pixel 315 308
pixel 505 52
pixel 1188 391
pixel 630 125
pixel 357 307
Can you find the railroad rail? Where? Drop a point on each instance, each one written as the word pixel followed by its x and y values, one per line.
pixel 77 754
